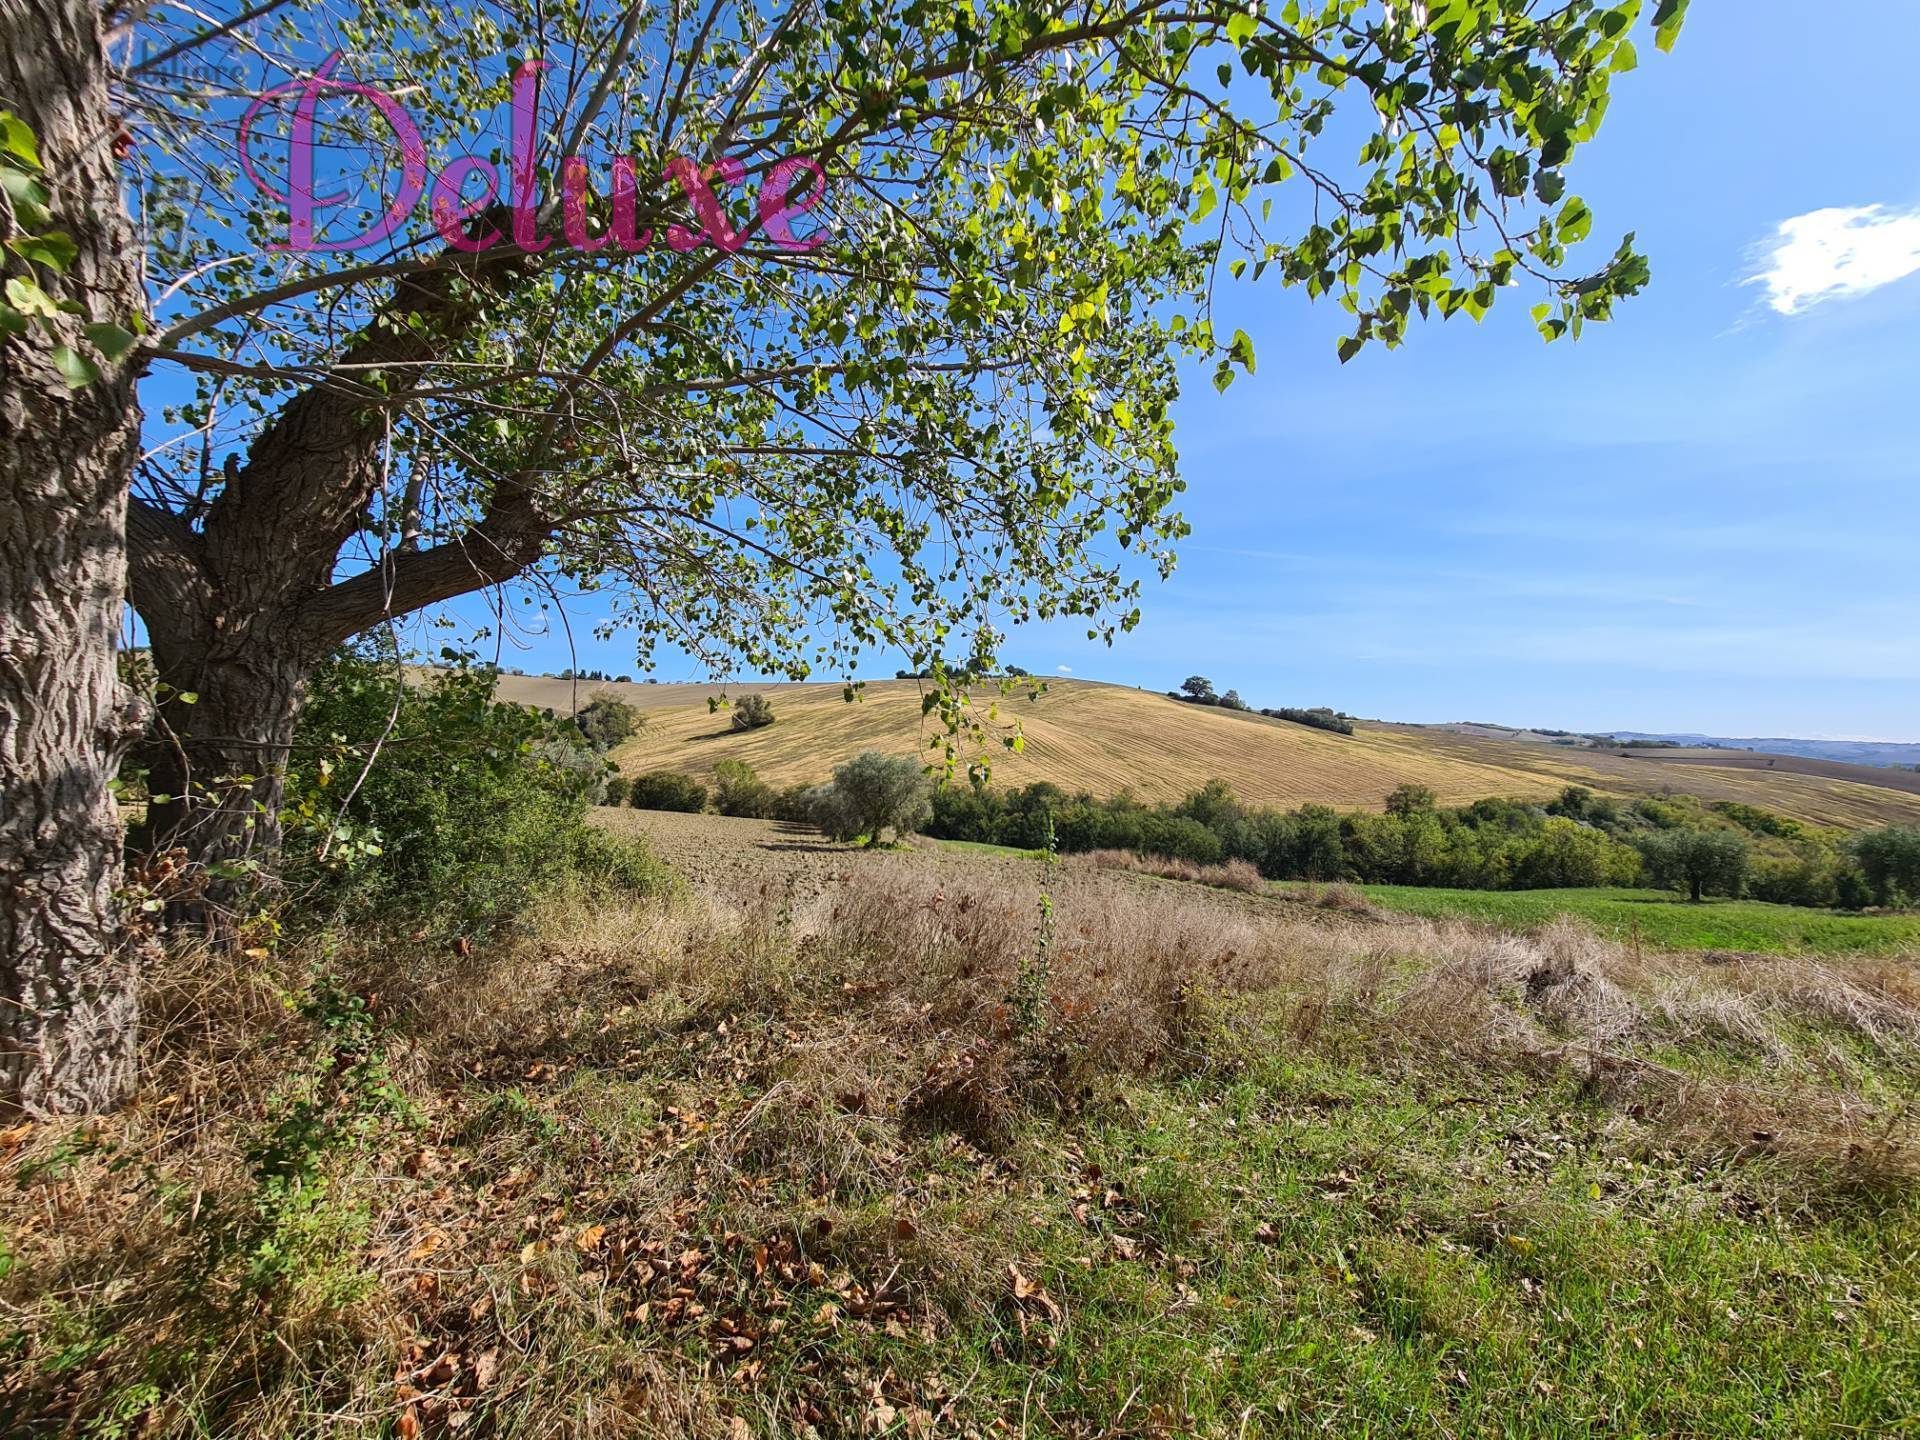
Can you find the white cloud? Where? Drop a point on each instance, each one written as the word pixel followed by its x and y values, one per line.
pixel 1832 253
pixel 1064 669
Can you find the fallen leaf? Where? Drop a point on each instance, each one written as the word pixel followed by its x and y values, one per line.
pixel 1030 1292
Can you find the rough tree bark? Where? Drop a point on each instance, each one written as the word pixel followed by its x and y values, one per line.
pixel 68 1005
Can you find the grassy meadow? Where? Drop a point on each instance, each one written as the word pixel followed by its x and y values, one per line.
pixel 1661 918
pixel 826 1142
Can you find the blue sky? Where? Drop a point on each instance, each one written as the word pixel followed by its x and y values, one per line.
pixel 1701 517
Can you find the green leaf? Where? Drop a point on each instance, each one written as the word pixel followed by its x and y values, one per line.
pixel 1351 346
pixel 1667 21
pixel 1240 28
pixel 29 299
pixel 16 138
pixel 28 195
pixel 1242 349
pixel 54 249
pixel 74 368
pixel 110 340
pixel 1576 221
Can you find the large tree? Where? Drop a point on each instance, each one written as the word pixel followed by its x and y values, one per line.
pixel 68 438
pixel 895 370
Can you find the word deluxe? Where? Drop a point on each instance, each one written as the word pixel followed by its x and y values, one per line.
pixel 453 213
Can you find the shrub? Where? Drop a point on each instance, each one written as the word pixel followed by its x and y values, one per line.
pixel 752 712
pixel 616 789
pixel 871 794
pixel 1213 805
pixel 793 805
pixel 1574 802
pixel 1411 800
pixel 1178 838
pixel 1756 821
pixel 667 790
pixel 1812 879
pixel 606 721
pixel 738 791
pixel 438 803
pixel 1567 855
pixel 1890 860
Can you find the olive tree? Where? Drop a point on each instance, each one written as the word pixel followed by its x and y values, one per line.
pixel 1701 862
pixel 871 342
pixel 873 793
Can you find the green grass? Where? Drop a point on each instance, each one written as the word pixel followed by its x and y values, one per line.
pixel 981 847
pixel 1320 1251
pixel 1667 920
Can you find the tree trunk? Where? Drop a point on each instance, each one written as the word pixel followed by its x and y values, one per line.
pixel 67 998
pixel 221 760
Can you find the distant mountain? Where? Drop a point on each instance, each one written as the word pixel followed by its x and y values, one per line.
pixel 1852 752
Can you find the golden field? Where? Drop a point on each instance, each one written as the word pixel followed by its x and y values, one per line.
pixel 1083 735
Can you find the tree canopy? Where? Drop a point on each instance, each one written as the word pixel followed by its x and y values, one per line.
pixel 948 415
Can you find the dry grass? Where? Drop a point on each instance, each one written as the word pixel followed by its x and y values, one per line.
pixel 1338 896
pixel 653 1154
pixel 1081 734
pixel 1238 875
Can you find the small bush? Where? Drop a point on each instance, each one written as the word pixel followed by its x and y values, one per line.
pixel 738 791
pixel 752 712
pixel 455 810
pixel 667 790
pixel 606 721
pixel 793 805
pixel 616 790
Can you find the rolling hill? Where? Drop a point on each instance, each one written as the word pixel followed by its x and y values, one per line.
pixel 1852 752
pixel 1083 735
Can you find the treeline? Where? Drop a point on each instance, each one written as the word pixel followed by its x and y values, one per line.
pixel 1576 841
pixel 867 796
pixel 1007 672
pixel 1198 690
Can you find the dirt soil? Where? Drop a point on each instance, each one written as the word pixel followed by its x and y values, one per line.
pixel 735 860
pixel 739 863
